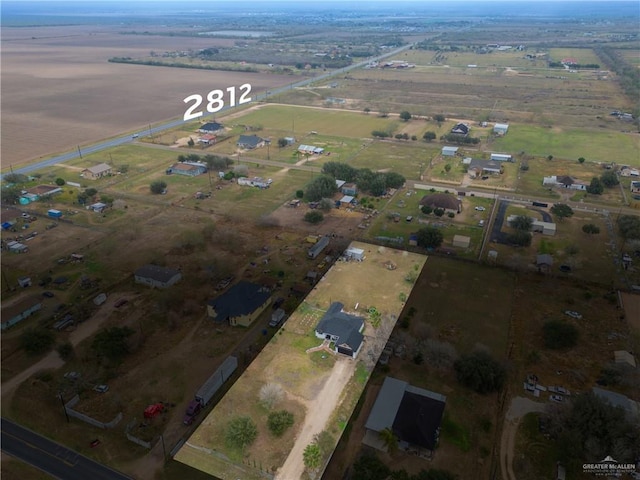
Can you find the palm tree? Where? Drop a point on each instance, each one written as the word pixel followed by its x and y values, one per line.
pixel 389 439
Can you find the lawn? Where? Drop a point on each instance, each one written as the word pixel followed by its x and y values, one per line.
pixel 582 55
pixel 570 143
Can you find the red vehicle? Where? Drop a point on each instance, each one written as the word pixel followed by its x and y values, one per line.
pixel 153 410
pixel 192 412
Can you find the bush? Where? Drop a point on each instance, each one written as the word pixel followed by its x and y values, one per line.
pixel 157 187
pixel 278 422
pixel 426 209
pixel 271 393
pixel 60 181
pixel 65 350
pixel 313 217
pixel 591 229
pixel 558 335
pixel 35 341
pixel 241 432
pixel 480 372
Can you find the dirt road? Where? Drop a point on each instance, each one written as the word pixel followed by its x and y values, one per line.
pixel 320 409
pixel 519 407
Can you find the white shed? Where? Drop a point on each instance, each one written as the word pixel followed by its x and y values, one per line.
pixel 449 151
pixel 354 253
pixel 501 157
pixel 500 128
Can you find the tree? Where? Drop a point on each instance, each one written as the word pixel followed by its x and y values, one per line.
pixel 438 212
pixel 581 160
pixel 522 223
pixel 389 440
pixel 312 456
pixel 447 167
pixel 191 142
pixel 370 467
pixel 325 442
pixel 270 394
pixel 111 343
pixel 299 193
pixel 60 181
pixel 11 194
pixel 366 110
pixel 65 350
pixel 380 134
pixel 629 227
pixel 549 157
pixel 394 180
pixel 440 118
pixel 157 187
pixel 35 341
pixel 595 187
pixel 340 171
pixel 429 136
pixel 15 178
pixel 82 198
pixel 378 185
pixel 562 210
pixel 405 115
pixel 313 217
pixel 426 209
pixel 480 372
pixel 429 237
pixel 609 178
pixel 326 204
pixel 278 422
pixel 520 238
pixel 559 335
pixel 590 228
pixel 320 187
pixel 282 142
pixel 91 192
pixel 241 432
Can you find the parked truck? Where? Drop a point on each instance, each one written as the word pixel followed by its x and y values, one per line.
pixel 215 381
pixel 192 412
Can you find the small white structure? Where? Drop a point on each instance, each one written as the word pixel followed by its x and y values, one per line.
pixel 546 228
pixel 254 182
pixel 500 128
pixel 449 151
pixel 354 253
pixel 501 157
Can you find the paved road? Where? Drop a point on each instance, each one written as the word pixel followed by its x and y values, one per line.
pixel 121 140
pixel 51 457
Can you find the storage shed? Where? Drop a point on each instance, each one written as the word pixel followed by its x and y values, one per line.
pixel 54 213
pixel 355 253
pixel 500 128
pixel 449 151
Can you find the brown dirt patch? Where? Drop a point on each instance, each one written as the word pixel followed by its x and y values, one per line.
pixel 631 303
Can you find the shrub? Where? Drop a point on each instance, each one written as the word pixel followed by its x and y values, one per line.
pixel 480 372
pixel 35 341
pixel 278 422
pixel 558 335
pixel 241 432
pixel 270 394
pixel 157 187
pixel 313 217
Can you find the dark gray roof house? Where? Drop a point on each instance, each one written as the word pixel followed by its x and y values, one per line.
pixel 250 141
pixel 413 414
pixel 157 276
pixel 461 129
pixel 211 127
pixel 630 407
pixel 240 305
pixel 341 328
pixel 442 200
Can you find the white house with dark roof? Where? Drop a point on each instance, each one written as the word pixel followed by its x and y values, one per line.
pixel 211 127
pixel 461 129
pixel 249 142
pixel 343 329
pixel 413 415
pixel 157 276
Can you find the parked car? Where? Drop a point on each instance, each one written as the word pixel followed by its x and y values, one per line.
pixel 480 209
pixel 565 268
pixel 48 294
pixel 481 223
pixel 135 135
pixel 556 398
pixel 120 302
pixel 101 388
pixel 573 314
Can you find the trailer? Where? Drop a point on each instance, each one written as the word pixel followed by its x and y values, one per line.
pixel 54 213
pixel 215 381
pixel 318 247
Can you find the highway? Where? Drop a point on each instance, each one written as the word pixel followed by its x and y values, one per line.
pixel 150 131
pixel 51 457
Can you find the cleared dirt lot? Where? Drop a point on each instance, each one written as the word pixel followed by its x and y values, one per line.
pixel 57 81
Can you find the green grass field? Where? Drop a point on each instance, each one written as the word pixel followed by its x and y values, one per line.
pixel 582 55
pixel 571 143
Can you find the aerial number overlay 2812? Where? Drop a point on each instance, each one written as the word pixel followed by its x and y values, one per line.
pixel 215 100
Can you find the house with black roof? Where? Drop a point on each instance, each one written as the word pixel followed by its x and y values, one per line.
pixel 343 329
pixel 413 415
pixel 461 129
pixel 211 127
pixel 240 305
pixel 157 276
pixel 249 142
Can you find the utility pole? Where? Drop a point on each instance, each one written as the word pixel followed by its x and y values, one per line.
pixel 79 152
pixel 64 407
